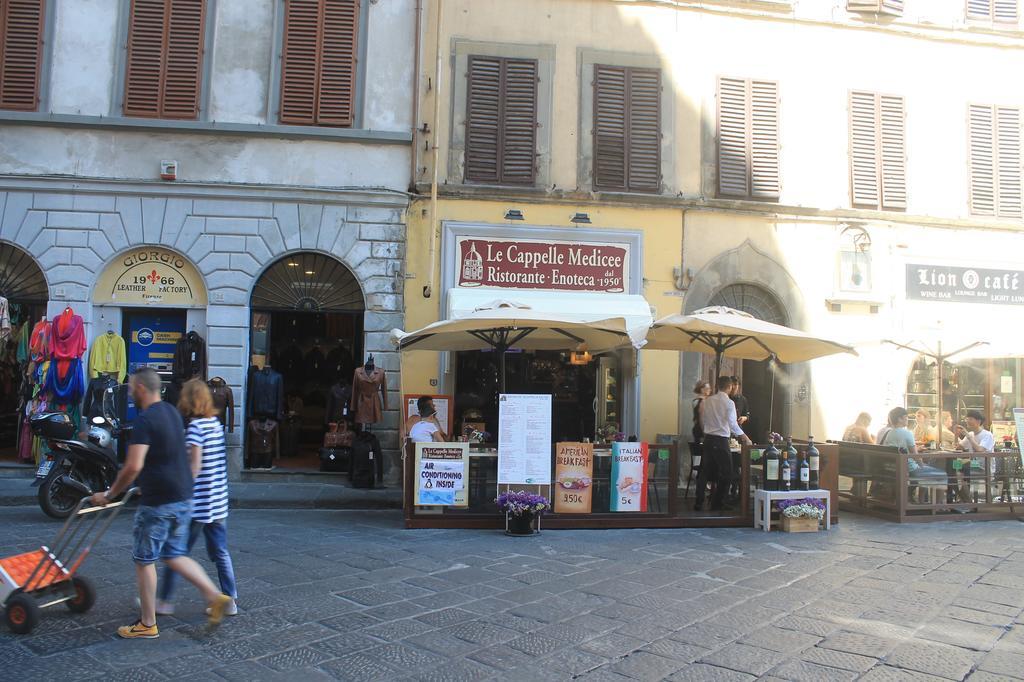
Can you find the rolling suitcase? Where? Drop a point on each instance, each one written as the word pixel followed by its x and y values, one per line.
pixel 335 459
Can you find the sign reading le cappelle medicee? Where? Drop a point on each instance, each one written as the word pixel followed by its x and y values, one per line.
pixel 531 264
pixel 964 285
pixel 150 275
pixel 441 474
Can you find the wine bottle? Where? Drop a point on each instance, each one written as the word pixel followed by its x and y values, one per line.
pixel 771 467
pixel 787 473
pixel 794 467
pixel 805 473
pixel 814 462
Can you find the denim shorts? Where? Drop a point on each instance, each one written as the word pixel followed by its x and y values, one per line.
pixel 161 532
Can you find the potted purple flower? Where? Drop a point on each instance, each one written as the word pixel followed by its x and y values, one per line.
pixel 521 508
pixel 801 515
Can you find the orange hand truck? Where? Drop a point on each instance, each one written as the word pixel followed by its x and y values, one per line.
pixel 44 577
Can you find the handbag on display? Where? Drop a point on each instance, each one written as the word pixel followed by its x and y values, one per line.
pixel 338 435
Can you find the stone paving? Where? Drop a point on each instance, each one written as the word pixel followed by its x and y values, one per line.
pixel 352 595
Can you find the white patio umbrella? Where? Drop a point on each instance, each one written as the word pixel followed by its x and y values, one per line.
pixel 733 333
pixel 501 325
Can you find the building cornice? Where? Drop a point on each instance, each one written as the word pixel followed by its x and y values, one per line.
pixel 765 210
pixel 33 118
pixel 362 196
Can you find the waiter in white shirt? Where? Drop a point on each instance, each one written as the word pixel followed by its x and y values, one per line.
pixel 718 416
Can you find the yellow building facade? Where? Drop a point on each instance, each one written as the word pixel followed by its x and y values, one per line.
pixel 817 229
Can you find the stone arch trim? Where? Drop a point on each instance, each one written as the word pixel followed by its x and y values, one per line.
pixel 45 289
pixel 746 264
pixel 751 298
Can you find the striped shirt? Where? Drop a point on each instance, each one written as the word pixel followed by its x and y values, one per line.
pixel 210 495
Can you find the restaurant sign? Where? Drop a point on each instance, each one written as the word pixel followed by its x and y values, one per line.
pixel 534 264
pixel 150 275
pixel 964 285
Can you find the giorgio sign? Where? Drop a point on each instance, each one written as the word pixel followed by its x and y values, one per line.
pixel 964 285
pixel 150 275
pixel 532 264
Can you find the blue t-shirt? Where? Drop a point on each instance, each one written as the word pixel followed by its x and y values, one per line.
pixel 899 438
pixel 166 475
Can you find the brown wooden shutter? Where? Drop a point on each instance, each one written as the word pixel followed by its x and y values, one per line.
pixel 864 181
pixel 894 7
pixel 163 78
pixel 1008 171
pixel 21 53
pixel 610 94
pixel 1004 11
pixel 501 120
pixel 483 120
pixel 318 62
pixel 893 159
pixel 519 124
pixel 627 129
pixel 644 169
pixel 733 136
pixel 982 160
pixel 765 182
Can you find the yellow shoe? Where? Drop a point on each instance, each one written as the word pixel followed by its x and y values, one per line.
pixel 138 631
pixel 215 614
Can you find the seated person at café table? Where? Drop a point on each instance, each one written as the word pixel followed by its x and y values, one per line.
pixel 896 434
pixel 949 440
pixel 975 438
pixel 857 432
pixel 428 428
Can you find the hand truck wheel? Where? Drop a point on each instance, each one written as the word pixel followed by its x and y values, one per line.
pixel 21 613
pixel 85 595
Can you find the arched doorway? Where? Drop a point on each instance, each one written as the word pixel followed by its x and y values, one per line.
pixel 767 400
pixel 25 294
pixel 307 327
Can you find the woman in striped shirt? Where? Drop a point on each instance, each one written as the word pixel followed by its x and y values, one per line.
pixel 205 440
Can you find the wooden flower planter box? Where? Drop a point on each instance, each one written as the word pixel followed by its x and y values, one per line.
pixel 793 525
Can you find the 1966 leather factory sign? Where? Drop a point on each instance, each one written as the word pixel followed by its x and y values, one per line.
pixel 564 266
pixel 150 275
pixel 965 285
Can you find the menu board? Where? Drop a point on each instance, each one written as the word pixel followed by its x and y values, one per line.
pixel 441 474
pixel 524 439
pixel 629 477
pixel 574 472
pixel 1018 419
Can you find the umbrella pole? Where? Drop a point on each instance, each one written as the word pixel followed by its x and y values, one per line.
pixel 771 396
pixel 938 406
pixel 501 363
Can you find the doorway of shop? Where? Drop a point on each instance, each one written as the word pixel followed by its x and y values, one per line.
pixel 306 342
pixel 152 335
pixel 24 294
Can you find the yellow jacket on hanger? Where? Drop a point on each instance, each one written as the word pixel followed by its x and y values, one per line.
pixel 108 356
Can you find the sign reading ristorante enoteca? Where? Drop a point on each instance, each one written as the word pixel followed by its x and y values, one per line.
pixel 964 285
pixel 150 275
pixel 536 264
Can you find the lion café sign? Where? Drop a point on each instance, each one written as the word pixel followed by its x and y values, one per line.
pixel 150 275
pixel 529 264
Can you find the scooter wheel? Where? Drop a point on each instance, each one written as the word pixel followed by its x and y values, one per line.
pixel 21 613
pixel 85 595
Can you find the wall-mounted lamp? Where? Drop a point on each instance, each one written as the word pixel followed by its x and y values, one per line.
pixel 580 218
pixel 683 278
pixel 580 356
pixel 513 214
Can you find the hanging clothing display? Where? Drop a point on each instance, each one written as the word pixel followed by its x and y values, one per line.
pixel 224 401
pixel 94 392
pixel 67 336
pixel 266 394
pixel 190 357
pixel 5 319
pixel 339 398
pixel 65 388
pixel 24 335
pixel 108 356
pixel 338 364
pixel 262 442
pixel 369 395
pixel 39 341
